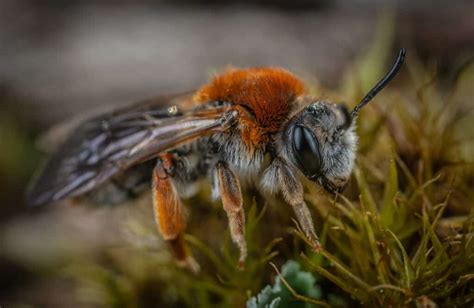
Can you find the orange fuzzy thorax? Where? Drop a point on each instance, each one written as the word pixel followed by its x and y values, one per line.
pixel 267 92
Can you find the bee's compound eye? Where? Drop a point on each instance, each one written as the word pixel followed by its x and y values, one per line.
pixel 306 152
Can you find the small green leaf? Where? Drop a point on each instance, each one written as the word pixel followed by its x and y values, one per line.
pixel 389 205
pixel 406 262
pixel 278 295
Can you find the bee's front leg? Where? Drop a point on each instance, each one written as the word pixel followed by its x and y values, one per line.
pixel 231 195
pixel 168 211
pixel 293 193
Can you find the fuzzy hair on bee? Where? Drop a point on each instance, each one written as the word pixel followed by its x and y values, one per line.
pixel 257 125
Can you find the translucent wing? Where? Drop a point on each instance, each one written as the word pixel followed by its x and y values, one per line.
pixel 107 145
pixel 55 136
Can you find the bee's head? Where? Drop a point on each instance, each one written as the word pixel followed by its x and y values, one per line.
pixel 320 139
pixel 321 143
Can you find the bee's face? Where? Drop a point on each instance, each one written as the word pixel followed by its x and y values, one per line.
pixel 321 143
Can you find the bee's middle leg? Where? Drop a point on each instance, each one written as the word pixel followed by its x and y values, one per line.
pixel 169 211
pixel 231 195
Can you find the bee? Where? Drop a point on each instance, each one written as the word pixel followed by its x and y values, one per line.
pixel 257 125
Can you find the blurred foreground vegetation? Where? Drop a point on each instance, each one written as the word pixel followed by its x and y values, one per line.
pixel 401 235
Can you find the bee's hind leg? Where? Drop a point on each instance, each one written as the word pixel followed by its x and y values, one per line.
pixel 231 195
pixel 168 211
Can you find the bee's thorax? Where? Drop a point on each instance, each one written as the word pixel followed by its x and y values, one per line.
pixel 263 97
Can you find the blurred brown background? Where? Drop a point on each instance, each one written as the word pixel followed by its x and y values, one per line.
pixel 62 58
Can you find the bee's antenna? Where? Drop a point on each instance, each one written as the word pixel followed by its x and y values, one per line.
pixel 381 84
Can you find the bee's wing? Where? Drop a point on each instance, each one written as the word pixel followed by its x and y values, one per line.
pixel 107 145
pixel 55 136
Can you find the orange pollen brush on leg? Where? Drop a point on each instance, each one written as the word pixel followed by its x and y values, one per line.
pixel 168 211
